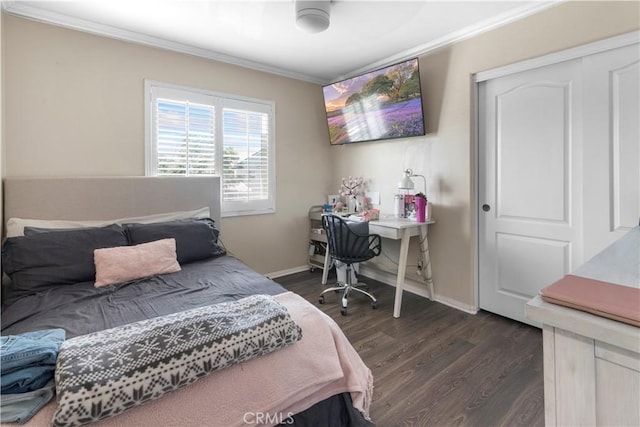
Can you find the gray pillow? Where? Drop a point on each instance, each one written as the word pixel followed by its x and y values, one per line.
pixel 196 239
pixel 30 231
pixel 42 260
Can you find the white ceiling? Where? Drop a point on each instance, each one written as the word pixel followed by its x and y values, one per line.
pixel 363 35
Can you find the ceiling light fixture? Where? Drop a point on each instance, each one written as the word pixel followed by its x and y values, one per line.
pixel 312 16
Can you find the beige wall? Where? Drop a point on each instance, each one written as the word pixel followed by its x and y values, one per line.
pixel 74 106
pixel 445 154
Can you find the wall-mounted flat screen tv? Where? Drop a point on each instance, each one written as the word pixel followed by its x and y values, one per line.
pixel 381 104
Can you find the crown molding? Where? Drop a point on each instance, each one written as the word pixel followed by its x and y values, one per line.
pixel 24 10
pixel 458 36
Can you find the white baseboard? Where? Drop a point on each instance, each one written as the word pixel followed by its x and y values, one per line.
pixel 415 287
pixel 456 304
pixel 287 272
pixel 389 278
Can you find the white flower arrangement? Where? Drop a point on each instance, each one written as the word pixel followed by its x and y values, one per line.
pixel 352 187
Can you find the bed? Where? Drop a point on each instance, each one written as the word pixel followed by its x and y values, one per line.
pixel 311 375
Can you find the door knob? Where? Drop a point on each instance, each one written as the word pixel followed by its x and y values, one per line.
pixel 486 207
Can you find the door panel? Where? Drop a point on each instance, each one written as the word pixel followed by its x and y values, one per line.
pixel 625 87
pixel 524 262
pixel 611 147
pixel 531 130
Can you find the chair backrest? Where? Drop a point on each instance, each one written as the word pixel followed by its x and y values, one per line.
pixel 350 242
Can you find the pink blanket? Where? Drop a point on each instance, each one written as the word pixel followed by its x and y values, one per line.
pixel 264 390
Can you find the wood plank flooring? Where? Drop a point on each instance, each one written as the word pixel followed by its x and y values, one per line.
pixel 435 365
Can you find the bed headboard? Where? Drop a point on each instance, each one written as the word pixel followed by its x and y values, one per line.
pixel 99 198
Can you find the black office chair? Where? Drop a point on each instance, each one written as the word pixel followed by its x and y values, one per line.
pixel 349 246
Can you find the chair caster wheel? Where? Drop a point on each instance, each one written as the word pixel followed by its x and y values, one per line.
pixel 343 311
pixel 321 300
pixel 374 305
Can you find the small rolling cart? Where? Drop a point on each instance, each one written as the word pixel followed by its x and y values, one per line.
pixel 317 238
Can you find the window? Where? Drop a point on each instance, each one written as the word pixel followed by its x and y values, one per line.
pixel 197 132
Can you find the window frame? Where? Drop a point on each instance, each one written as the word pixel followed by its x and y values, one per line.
pixel 219 101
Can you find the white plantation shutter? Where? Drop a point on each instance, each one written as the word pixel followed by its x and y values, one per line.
pixel 185 138
pixel 195 132
pixel 247 154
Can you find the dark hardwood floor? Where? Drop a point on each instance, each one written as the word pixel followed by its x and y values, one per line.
pixel 435 365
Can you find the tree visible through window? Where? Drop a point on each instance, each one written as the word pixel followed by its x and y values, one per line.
pixel 195 132
pixel 246 155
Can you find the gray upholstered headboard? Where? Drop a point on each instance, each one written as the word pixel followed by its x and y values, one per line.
pixel 103 198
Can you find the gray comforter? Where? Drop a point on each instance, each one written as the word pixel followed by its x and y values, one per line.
pixel 81 308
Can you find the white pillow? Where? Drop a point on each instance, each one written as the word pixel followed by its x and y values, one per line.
pixel 15 226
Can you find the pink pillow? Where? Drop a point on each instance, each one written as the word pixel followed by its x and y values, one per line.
pixel 124 263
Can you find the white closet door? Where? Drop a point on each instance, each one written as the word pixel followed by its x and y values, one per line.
pixel 530 184
pixel 611 146
pixel 559 171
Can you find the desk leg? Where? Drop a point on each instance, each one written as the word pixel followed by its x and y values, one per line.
pixel 402 269
pixel 327 265
pixel 426 258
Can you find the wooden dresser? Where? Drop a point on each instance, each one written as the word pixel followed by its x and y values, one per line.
pixel 591 367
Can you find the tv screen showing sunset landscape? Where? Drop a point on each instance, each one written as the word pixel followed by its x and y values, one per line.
pixel 381 104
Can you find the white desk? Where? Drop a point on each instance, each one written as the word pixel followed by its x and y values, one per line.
pixel 399 229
